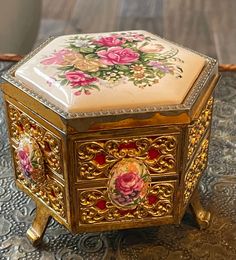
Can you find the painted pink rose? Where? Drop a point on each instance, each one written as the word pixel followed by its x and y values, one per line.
pixel 86 92
pixel 110 41
pixel 118 55
pixel 25 162
pixel 128 183
pixel 56 58
pixel 79 78
pixel 152 48
pixel 134 37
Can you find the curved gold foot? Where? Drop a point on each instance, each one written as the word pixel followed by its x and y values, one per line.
pixel 37 229
pixel 203 217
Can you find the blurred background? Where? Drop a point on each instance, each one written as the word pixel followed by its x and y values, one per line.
pixel 206 26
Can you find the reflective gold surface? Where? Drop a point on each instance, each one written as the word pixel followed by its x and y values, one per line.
pixel 90 213
pixel 195 170
pixel 83 198
pixel 78 165
pixel 89 169
pixel 47 188
pixel 198 129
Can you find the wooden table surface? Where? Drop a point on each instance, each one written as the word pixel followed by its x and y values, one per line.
pixel 206 26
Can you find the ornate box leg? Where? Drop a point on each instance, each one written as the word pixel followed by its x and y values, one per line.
pixel 203 217
pixel 37 229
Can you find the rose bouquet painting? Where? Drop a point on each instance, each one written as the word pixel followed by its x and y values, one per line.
pixel 87 62
pixel 30 160
pixel 129 183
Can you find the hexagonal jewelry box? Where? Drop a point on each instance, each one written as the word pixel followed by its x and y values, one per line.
pixel 110 131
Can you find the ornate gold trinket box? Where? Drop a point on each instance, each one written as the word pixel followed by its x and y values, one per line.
pixel 110 131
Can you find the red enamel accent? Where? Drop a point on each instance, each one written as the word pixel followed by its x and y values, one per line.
pixel 153 153
pixel 53 193
pixel 21 127
pixel 100 158
pixel 130 145
pixel 125 212
pixel 101 204
pixel 152 199
pixel 46 147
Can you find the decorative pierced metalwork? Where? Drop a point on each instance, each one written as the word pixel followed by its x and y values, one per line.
pixel 42 185
pixel 95 206
pixel 199 128
pixel 95 158
pixel 48 190
pixel 195 170
pixel 21 124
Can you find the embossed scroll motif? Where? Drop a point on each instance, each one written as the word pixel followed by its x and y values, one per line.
pixel 195 170
pixel 199 128
pixel 21 124
pixel 46 189
pixel 34 157
pixel 96 207
pixel 95 158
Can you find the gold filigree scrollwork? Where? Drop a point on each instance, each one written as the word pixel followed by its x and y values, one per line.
pixel 21 124
pixel 164 203
pixel 52 150
pixel 95 206
pixel 163 147
pixel 195 170
pixel 45 188
pixel 197 131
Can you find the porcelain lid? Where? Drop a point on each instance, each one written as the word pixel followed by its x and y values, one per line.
pixel 88 73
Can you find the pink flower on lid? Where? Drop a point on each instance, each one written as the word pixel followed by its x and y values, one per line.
pixel 152 48
pixel 134 37
pixel 118 55
pixel 128 183
pixel 110 41
pixel 56 58
pixel 79 78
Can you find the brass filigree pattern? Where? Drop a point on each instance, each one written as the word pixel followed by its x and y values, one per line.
pixel 195 170
pixel 21 124
pixel 199 128
pixel 45 188
pixel 158 203
pixel 163 148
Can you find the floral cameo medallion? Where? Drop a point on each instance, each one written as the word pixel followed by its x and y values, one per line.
pixel 129 183
pixel 30 159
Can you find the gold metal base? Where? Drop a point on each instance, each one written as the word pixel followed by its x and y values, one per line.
pixel 202 216
pixel 37 229
pixel 75 187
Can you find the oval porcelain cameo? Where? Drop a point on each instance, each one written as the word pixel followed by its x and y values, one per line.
pixel 128 184
pixel 30 159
